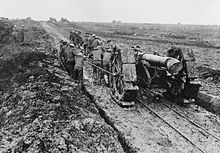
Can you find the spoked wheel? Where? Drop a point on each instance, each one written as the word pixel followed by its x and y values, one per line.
pixel 118 91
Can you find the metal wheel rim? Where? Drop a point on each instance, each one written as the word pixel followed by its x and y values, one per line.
pixel 117 81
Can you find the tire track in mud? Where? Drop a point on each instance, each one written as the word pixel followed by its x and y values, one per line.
pixel 195 114
pixel 139 130
pixel 195 135
pixel 57 36
pixel 201 132
pixel 199 140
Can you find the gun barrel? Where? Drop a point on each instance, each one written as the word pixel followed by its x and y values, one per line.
pixel 173 65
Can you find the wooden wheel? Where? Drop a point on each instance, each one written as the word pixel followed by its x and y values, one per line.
pixel 118 87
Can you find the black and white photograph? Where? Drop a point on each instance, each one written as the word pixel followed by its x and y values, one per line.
pixel 109 76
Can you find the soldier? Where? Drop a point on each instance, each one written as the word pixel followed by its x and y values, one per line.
pixel 176 52
pixel 22 33
pixel 78 40
pixel 96 42
pixel 69 60
pixel 63 46
pixel 15 27
pixel 15 33
pixel 86 44
pixel 72 35
pixel 97 56
pixel 78 68
pixel 91 39
pixel 110 44
pixel 107 54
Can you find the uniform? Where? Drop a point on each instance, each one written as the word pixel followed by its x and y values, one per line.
pixel 69 60
pixel 72 36
pixel 78 68
pixel 97 56
pixel 91 39
pixel 78 40
pixel 86 45
pixel 106 64
pixel 95 43
pixel 63 46
pixel 22 34
pixel 18 34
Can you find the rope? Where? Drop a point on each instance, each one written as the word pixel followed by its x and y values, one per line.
pixel 113 74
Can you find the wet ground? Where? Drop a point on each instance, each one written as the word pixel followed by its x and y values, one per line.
pixel 165 131
pixel 47 111
pixel 42 109
pixel 154 124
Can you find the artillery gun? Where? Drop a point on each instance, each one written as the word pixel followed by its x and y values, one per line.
pixel 133 69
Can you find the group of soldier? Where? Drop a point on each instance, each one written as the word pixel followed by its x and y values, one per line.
pixel 89 47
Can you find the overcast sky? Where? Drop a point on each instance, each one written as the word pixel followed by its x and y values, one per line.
pixel 144 11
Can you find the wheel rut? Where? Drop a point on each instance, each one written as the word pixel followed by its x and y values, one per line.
pixel 140 131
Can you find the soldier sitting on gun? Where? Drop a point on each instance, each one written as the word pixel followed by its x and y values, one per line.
pixel 176 52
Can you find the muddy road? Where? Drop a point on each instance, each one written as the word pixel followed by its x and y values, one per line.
pixel 41 108
pixel 154 125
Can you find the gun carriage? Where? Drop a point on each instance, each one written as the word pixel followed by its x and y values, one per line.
pixel 133 69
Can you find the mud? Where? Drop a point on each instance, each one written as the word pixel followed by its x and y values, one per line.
pixel 139 130
pixel 142 131
pixel 42 109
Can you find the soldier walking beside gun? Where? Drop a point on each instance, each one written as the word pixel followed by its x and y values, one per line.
pixel 61 53
pixel 70 60
pixel 97 56
pixel 85 44
pixel 107 54
pixel 78 68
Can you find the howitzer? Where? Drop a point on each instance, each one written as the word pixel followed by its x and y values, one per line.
pixel 171 64
pixel 136 69
pixel 170 72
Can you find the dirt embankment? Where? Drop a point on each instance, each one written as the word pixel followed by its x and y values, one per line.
pixel 41 109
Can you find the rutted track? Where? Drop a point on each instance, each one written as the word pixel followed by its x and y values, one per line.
pixel 194 133
pixel 141 131
pixel 204 138
pixel 180 130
